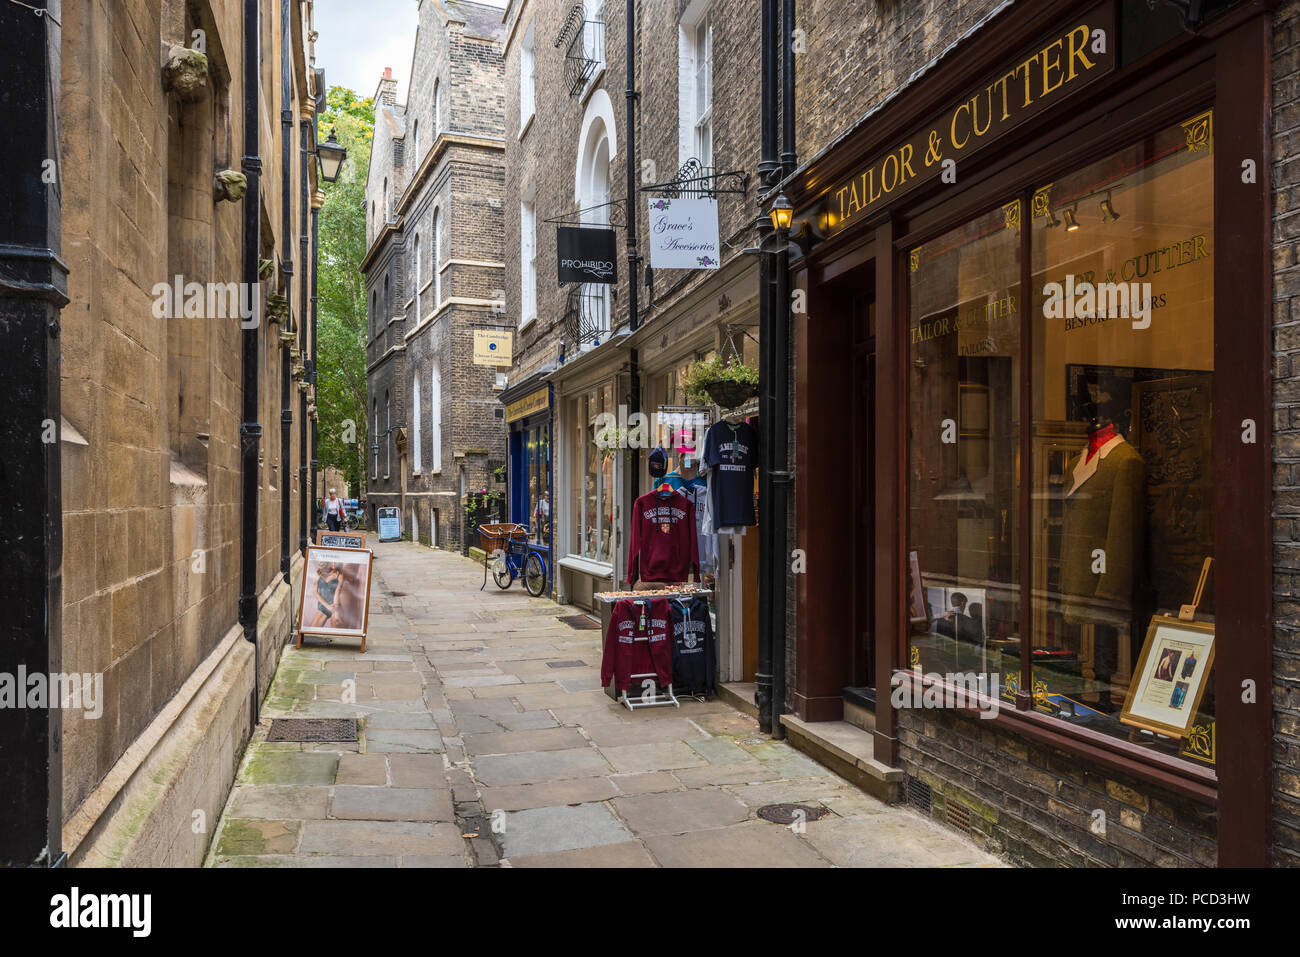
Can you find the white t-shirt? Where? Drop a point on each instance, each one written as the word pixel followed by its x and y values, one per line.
pixel 333 506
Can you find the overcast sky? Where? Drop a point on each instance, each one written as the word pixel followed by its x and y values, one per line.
pixel 358 38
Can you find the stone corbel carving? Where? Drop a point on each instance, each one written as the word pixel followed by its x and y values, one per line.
pixel 185 73
pixel 277 309
pixel 231 185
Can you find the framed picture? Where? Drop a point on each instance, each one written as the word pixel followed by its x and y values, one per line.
pixel 1170 676
pixel 335 600
pixel 340 539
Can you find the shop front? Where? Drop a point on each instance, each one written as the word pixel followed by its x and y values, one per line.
pixel 1032 413
pixel 528 412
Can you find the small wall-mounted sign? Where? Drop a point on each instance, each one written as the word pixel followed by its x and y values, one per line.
pixel 493 347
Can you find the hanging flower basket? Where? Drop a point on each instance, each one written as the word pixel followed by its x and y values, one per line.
pixel 727 383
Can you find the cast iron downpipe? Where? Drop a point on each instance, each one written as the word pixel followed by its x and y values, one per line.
pixel 286 268
pixel 33 290
pixel 305 127
pixel 780 462
pixel 633 259
pixel 250 430
pixel 769 169
pixel 315 270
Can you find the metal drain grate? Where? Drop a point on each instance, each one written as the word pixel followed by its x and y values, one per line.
pixel 313 729
pixel 957 815
pixel 580 622
pixel 565 664
pixel 787 814
pixel 919 795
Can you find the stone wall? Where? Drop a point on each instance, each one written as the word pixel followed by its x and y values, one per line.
pixel 152 405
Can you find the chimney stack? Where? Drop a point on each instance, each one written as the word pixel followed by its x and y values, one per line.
pixel 386 95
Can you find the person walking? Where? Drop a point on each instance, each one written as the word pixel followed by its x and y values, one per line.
pixel 336 516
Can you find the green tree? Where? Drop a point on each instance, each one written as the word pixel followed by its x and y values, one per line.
pixel 341 306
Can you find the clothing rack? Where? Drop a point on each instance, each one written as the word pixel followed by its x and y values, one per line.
pixel 661 698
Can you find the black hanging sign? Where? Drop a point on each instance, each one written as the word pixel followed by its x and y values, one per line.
pixel 586 255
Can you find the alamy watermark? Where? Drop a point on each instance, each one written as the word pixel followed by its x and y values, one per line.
pixel 38 690
pixel 972 691
pixel 207 300
pixel 1085 303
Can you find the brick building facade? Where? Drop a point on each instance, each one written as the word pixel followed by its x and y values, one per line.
pixel 151 176
pixel 1032 786
pixel 434 273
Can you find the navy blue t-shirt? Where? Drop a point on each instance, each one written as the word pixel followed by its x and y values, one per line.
pixel 732 454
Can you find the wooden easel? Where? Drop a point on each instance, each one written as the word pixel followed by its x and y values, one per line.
pixel 1188 612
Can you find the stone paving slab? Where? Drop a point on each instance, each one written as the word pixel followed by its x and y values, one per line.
pixel 463 717
pixel 548 829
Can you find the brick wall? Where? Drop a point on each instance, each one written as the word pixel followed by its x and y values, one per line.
pixel 1286 441
pixel 456 181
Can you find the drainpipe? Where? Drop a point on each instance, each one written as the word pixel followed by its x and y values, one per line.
pixel 769 169
pixel 250 430
pixel 286 267
pixel 633 259
pixel 315 270
pixel 780 326
pixel 304 125
pixel 33 290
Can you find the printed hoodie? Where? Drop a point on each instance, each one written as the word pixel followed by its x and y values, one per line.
pixel 695 656
pixel 664 546
pixel 637 642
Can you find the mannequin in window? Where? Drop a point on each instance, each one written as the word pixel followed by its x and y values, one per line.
pixel 1102 537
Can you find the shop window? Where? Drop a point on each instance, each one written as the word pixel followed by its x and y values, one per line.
pixel 595 493
pixel 1120 376
pixel 965 360
pixel 1121 379
pixel 537 452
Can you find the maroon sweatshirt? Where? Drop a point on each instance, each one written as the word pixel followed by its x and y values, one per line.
pixel 638 642
pixel 664 546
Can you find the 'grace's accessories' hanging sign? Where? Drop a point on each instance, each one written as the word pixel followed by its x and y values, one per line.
pixel 684 234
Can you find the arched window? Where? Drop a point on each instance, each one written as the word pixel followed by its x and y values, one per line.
pixel 417 283
pixel 437 259
pixel 435 415
pixel 438 117
pixel 388 435
pixel 415 424
pixel 374 440
pixel 387 215
pixel 374 315
pixel 595 154
pixel 415 143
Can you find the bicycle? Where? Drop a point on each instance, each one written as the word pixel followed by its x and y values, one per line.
pixel 512 556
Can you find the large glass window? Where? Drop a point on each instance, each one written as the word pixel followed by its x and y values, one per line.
pixel 596 505
pixel 964 335
pixel 538 456
pixel 1119 373
pixel 1121 381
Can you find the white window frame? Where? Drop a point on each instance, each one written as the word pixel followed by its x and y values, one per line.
pixel 527 261
pixel 374 467
pixel 435 416
pixel 437 259
pixel 418 277
pixel 597 188
pixel 527 78
pixel 415 424
pixel 695 67
pixel 593 41
pixel 388 435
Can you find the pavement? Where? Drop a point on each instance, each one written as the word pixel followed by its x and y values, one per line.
pixel 485 740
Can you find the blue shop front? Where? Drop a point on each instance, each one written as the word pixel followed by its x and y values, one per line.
pixel 529 412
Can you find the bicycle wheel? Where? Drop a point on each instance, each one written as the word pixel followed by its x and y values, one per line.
pixel 535 575
pixel 502 573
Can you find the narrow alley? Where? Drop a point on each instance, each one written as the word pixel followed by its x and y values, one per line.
pixel 484 739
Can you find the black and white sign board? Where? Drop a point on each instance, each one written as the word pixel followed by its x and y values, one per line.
pixel 586 254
